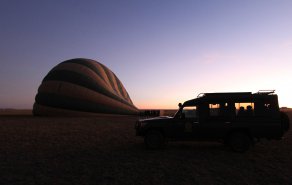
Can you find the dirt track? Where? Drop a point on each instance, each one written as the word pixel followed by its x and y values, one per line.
pixel 106 151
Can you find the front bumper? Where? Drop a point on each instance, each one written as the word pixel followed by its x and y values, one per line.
pixel 139 128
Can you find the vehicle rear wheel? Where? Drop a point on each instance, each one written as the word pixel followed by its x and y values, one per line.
pixel 240 142
pixel 285 122
pixel 154 139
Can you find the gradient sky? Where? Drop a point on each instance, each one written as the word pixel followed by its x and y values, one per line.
pixel 164 52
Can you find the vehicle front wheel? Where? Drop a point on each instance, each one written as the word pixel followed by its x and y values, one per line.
pixel 240 142
pixel 154 139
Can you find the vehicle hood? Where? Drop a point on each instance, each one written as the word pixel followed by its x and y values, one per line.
pixel 156 119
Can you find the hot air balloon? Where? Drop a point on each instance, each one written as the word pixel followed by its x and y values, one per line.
pixel 82 87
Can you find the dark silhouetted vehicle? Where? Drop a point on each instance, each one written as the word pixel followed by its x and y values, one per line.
pixel 238 119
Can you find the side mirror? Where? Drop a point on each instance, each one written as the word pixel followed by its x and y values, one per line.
pixel 179 105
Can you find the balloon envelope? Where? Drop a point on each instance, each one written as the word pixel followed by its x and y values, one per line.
pixel 82 87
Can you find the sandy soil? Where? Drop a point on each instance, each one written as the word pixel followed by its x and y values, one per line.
pixel 104 150
pixel 15 112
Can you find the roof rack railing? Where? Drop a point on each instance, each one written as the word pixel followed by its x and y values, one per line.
pixel 201 95
pixel 266 91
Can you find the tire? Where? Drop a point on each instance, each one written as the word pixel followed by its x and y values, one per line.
pixel 285 122
pixel 240 142
pixel 154 139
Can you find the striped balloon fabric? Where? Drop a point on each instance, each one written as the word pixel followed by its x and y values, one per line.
pixel 82 87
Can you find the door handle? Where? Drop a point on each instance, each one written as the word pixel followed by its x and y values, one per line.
pixel 196 122
pixel 227 122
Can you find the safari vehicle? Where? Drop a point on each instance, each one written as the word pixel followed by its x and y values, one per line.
pixel 237 119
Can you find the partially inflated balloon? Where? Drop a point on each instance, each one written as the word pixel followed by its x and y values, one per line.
pixel 82 87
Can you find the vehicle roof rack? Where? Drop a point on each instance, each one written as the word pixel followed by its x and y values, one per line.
pixel 267 92
pixel 201 95
pixel 223 94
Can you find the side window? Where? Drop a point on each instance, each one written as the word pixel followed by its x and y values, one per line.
pixel 244 109
pixel 190 112
pixel 221 109
pixel 265 107
pixel 214 110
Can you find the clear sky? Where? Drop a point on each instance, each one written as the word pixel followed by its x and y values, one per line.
pixel 164 52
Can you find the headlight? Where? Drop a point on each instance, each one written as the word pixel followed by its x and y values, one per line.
pixel 139 124
pixel 142 124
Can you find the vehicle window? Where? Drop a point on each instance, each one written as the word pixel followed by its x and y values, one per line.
pixel 220 109
pixel 214 109
pixel 244 109
pixel 265 108
pixel 190 112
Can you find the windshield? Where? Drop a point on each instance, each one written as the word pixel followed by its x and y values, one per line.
pixel 177 113
pixel 186 112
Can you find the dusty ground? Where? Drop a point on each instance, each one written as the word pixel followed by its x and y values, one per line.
pixel 36 150
pixel 15 112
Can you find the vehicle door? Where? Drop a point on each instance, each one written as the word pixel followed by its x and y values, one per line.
pixel 215 120
pixel 183 123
